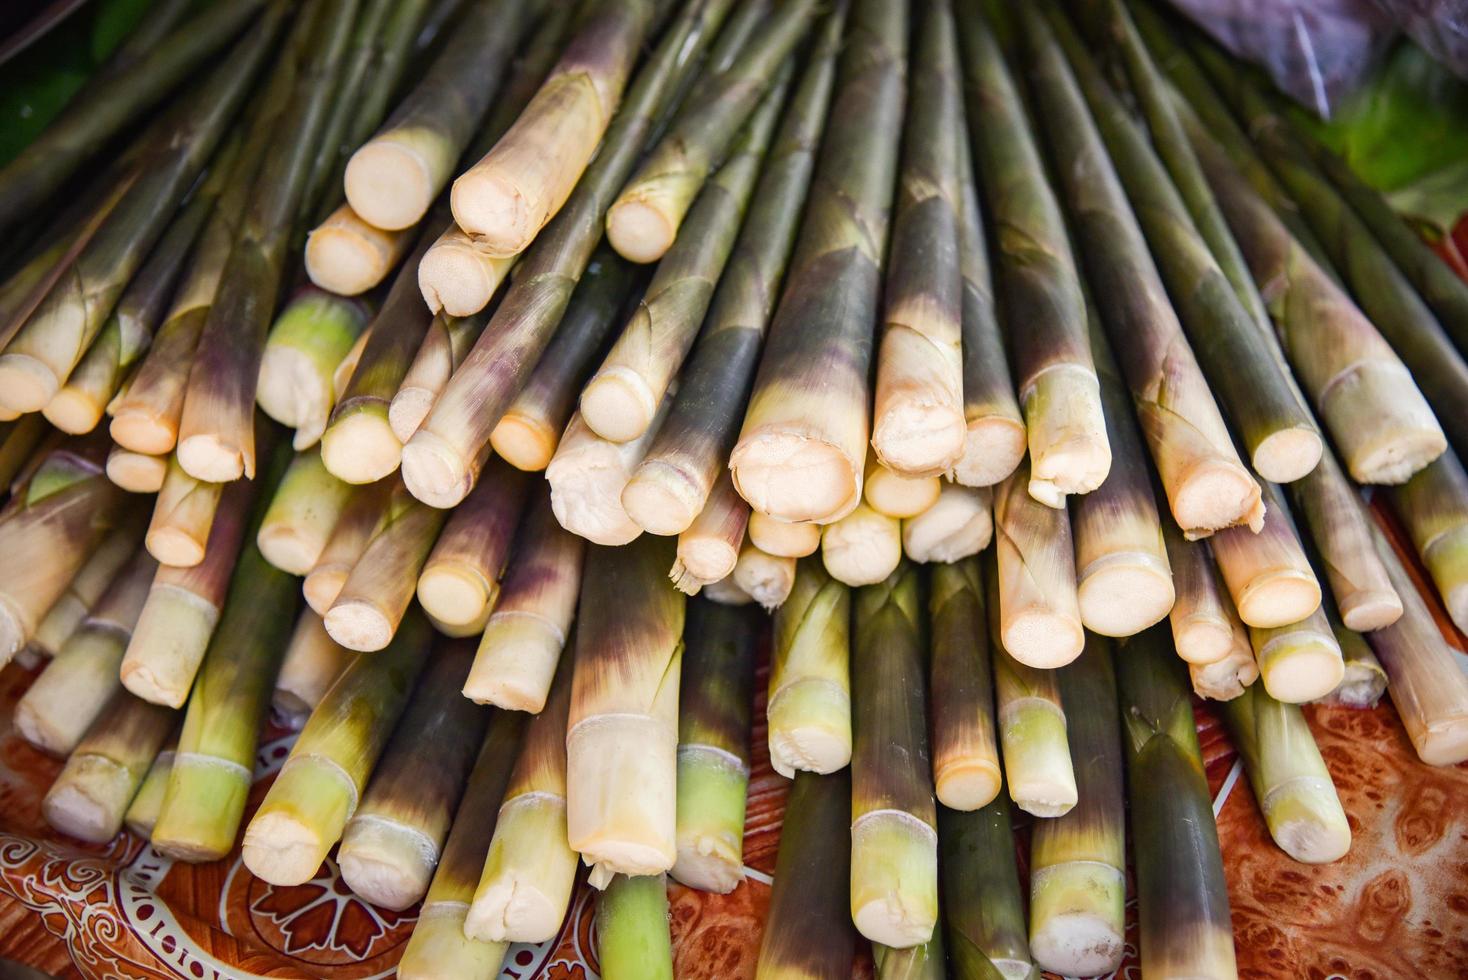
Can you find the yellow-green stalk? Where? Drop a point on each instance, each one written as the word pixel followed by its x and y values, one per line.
pixel 84 591
pixel 348 539
pixel 392 842
pixel 808 712
pixel 307 343
pixel 142 812
pixel 1039 612
pixel 622 733
pixel 301 515
pixel 460 581
pixel 1364 681
pixel 632 929
pixel 957 525
pixel 1298 662
pixel 966 772
pixel 444 345
pixel 1434 507
pixel 983 912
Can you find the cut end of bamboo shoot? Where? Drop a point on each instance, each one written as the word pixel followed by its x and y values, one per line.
pixel 524 442
pixel 27 383
pixel 491 207
pixel 1215 494
pixel 455 594
pixel 175 546
pixel 407 410
pixel 136 472
pixel 796 478
pixel 386 863
pixel 810 728
pixel 661 498
pixel 73 412
pixel 358 625
pixel 1287 455
pixel 1279 599
pixel 919 439
pixel 348 256
pixel 639 231
pixel 457 278
pixel 1124 593
pixel 782 538
pixel 992 448
pixel 88 799
pixel 142 432
pixel 862 548
pixel 1077 944
pixel 1364 611
pixel 618 405
pixel 282 849
pixel 434 471
pixel 212 458
pixel 896 495
pixel 361 447
pixel 968 784
pixel 322 585
pixel 389 184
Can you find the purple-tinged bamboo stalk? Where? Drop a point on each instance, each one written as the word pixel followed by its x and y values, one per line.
pixel 685 462
pixel 1045 319
pixel 349 536
pixel 803 443
pixel 86 588
pixel 442 461
pixel 460 581
pixel 966 772
pixel 444 345
pixel 708 549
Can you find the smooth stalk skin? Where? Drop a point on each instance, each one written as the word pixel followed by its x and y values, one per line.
pixel 686 460
pixel 84 591
pixel 301 515
pixel 302 353
pixel 803 443
pixel 708 549
pixel 348 539
pixel 530 871
pixel 347 256
pixel 1123 580
pixel 506 198
pixel 958 525
pixel 142 812
pixel 808 932
pixel 632 929
pixel 894 831
pixel 317 790
pixel 783 538
pixel 393 178
pixel 183 514
pixel 1301 661
pixel 40 357
pixel 460 581
pixel 1376 415
pixel 966 771
pixel 862 548
pixel 1364 681
pixel 715 702
pixel 215 431
pixel 1290 782
pixel 1385 295
pixel 890 492
pixel 393 840
pixel 983 911
pixel 1039 287
pixel 1032 732
pixel 444 345
pixel 622 733
pixel 1427 686
pixel 1434 507
pixel 78 406
pixel 1182 893
pixel 1038 608
pixel 212 771
pixel 648 215
pixel 621 399
pixel 527 435
pixel 359 445
pixel 90 798
pixel 1339 526
pixel 1078 859
pixel 76 685
pixel 809 705
pixel 1202 613
pixel 1276 430
pixel 766 578
pixel 175 629
pixel 918 423
pixel 47 530
pixel 443 459
pixel 1206 484
pixel 375 596
pixel 438 947
pixel 135 472
pixel 527 633
pixel 1267 574
pixel 112 101
pixel 313 662
pixel 994 428
pixel 458 277
pixel 18 441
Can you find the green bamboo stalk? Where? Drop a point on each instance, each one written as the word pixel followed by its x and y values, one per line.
pixel 622 733
pixel 302 513
pixel 894 833
pixel 317 790
pixel 40 357
pixel 393 178
pixel 530 870
pixel 918 423
pixel 1290 782
pixel 648 214
pixel 298 365
pixel 115 99
pixel 809 704
pixel 18 441
pixel 142 812
pixel 1078 859
pixel 213 769
pixel 1434 507
pixel 443 460
pixel 1276 430
pixel 808 933
pixel 1298 662
pixel 632 929
pixel 215 434
pixel 1427 686
pixel 621 399
pixel 527 435
pixel 506 198
pixel 675 480
pixel 925 961
pixel 983 912
pixel 1182 893
pixel 438 947
pixel 714 706
pixel 1037 280
pixel 966 772
pixel 392 842
pixel 803 444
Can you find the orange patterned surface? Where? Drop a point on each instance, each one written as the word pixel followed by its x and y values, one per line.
pixel 1396 906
